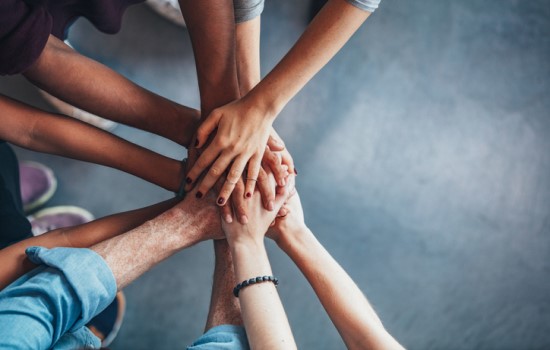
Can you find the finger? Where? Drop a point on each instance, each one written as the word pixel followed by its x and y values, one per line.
pixel 254 166
pixel 281 198
pixel 232 178
pixel 238 201
pixel 207 127
pixel 275 143
pixel 213 175
pixel 287 160
pixel 205 159
pixel 227 213
pixel 267 191
pixel 272 160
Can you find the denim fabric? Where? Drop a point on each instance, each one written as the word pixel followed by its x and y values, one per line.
pixel 224 337
pixel 50 306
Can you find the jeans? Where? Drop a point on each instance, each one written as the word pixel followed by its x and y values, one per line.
pixel 50 306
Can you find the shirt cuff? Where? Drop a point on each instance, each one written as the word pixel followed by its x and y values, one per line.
pixel 366 5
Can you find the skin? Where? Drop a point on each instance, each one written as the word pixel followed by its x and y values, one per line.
pixel 263 314
pixel 242 126
pixel 93 87
pixel 347 307
pixel 15 263
pixel 33 129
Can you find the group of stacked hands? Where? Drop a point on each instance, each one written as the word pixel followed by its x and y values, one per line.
pixel 53 284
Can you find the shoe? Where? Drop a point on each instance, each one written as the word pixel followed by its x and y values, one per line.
pixel 57 217
pixel 169 9
pixel 106 325
pixel 38 184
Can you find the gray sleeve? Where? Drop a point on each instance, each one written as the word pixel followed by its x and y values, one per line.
pixel 245 10
pixel 367 5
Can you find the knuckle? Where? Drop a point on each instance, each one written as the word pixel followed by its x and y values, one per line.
pixel 222 142
pixel 234 175
pixel 215 171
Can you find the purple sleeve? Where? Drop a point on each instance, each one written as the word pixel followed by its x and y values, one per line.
pixel 24 31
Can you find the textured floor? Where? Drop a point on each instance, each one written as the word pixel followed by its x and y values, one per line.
pixel 423 152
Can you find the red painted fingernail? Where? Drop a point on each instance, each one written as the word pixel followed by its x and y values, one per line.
pixel 188 180
pixel 248 194
pixel 198 195
pixel 221 200
pixel 196 143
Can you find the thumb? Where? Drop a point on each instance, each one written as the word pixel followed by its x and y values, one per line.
pixel 207 127
pixel 275 144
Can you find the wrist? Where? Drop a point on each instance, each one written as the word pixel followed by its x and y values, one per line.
pixel 194 223
pixel 268 105
pixel 295 239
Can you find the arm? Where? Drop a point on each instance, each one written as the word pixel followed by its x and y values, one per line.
pixel 40 307
pixel 262 311
pixel 13 259
pixel 95 88
pixel 243 126
pixel 212 30
pixel 39 131
pixel 347 307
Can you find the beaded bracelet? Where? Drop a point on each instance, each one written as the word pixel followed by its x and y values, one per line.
pixel 255 280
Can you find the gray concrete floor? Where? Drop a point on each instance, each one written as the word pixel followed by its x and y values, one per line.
pixel 423 151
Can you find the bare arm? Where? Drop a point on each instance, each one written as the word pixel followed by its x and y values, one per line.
pixel 133 253
pixel 15 263
pixel 243 126
pixel 263 314
pixel 95 88
pixel 34 129
pixel 346 305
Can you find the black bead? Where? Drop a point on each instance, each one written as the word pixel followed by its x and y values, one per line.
pixel 252 281
pixel 259 279
pixel 265 278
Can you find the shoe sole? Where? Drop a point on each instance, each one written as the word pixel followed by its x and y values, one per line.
pixel 40 201
pixel 62 209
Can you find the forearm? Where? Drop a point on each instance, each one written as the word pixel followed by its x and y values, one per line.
pixel 247 35
pixel 211 27
pixel 344 302
pixel 39 131
pixel 262 311
pixel 131 254
pixel 93 87
pixel 324 37
pixel 13 259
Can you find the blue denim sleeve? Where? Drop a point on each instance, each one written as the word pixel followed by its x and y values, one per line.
pixel 367 5
pixel 245 10
pixel 60 296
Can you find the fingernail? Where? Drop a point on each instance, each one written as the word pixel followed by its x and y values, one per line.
pixel 228 219
pixel 198 195
pixel 188 180
pixel 196 143
pixel 221 200
pixel 244 220
pixel 295 171
pixel 248 194
pixel 270 205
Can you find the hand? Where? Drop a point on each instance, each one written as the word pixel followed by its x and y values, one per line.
pixel 259 219
pixel 242 134
pixel 286 227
